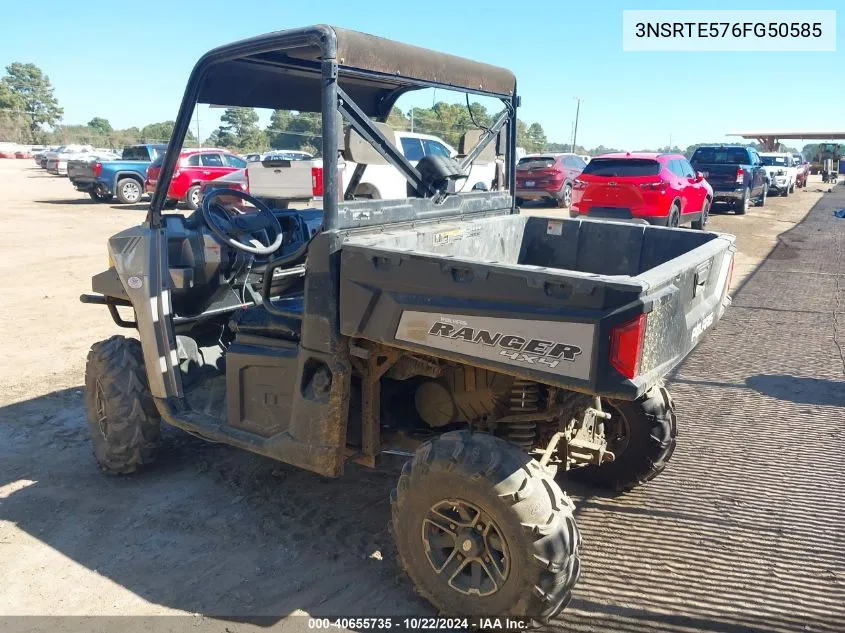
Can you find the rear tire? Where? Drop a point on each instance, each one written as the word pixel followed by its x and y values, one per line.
pixel 700 223
pixel 192 197
pixel 523 560
pixel 674 220
pixel 129 191
pixel 565 199
pixel 741 205
pixel 761 201
pixel 100 197
pixel 642 437
pixel 520 202
pixel 122 417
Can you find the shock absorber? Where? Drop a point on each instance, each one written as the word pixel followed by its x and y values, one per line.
pixel 524 398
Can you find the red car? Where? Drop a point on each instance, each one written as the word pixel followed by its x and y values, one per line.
pixel 661 189
pixel 803 167
pixel 547 177
pixel 195 167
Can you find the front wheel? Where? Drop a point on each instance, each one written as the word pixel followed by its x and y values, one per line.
pixel 641 434
pixel 483 530
pixel 122 417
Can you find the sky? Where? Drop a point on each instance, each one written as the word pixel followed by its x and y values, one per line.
pixel 129 62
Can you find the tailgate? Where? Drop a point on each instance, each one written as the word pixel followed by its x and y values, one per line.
pixel 721 176
pixel 80 170
pixel 281 179
pixel 686 297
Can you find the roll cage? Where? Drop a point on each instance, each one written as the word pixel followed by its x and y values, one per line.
pixel 347 74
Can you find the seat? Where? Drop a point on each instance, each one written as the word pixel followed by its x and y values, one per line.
pixel 257 321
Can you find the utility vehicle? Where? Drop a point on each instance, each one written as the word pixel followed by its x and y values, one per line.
pixel 495 350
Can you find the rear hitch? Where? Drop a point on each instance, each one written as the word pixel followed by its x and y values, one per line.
pixel 584 440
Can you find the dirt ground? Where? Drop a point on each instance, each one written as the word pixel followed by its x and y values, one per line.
pixel 223 535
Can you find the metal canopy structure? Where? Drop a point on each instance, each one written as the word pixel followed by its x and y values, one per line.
pixel 770 139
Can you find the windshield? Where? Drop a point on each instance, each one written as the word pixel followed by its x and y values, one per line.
pixel 536 162
pixel 720 156
pixel 774 161
pixel 616 167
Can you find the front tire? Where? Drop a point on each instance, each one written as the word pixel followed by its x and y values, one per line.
pixel 129 191
pixel 642 435
pixel 122 417
pixel 483 530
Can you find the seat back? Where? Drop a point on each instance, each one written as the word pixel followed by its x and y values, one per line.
pixel 358 150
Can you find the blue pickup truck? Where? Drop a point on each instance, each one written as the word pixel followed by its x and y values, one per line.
pixel 736 174
pixel 124 178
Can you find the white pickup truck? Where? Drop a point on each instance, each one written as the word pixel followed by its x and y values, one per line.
pixel 282 180
pixel 781 171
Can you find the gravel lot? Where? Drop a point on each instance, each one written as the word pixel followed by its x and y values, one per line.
pixel 742 532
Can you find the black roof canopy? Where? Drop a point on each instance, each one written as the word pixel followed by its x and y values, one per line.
pixel 281 70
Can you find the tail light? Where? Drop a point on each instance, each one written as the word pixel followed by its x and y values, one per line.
pixel 740 175
pixel 98 169
pixel 246 175
pixel 579 184
pixel 653 186
pixel 317 181
pixel 626 346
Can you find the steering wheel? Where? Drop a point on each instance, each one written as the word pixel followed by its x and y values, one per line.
pixel 230 224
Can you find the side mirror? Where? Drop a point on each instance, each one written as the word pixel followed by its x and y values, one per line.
pixel 699 176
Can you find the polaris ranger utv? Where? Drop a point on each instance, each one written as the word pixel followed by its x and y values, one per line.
pixel 495 350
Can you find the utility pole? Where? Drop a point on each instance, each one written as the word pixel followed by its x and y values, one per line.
pixel 575 131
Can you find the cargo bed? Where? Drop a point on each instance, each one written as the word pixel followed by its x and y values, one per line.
pixel 539 297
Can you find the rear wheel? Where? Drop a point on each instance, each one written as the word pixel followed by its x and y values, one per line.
pixel 741 206
pixel 761 201
pixel 674 220
pixel 192 197
pixel 122 417
pixel 641 435
pixel 565 197
pixel 701 222
pixel 129 191
pixel 520 202
pixel 483 529
pixel 100 197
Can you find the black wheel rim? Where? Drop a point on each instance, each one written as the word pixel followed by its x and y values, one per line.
pixel 100 406
pixel 465 547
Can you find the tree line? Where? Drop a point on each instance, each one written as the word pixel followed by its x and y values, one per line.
pixel 30 113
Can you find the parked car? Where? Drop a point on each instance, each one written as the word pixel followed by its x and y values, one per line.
pixel 7 150
pixel 782 172
pixel 383 181
pixel 40 157
pixel 122 177
pixel 287 154
pixel 57 161
pixel 802 165
pixel 547 177
pixel 250 158
pixel 661 189
pixel 195 167
pixel 735 173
